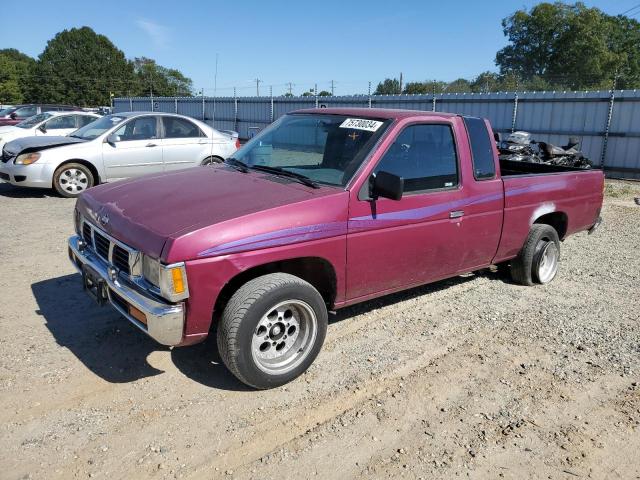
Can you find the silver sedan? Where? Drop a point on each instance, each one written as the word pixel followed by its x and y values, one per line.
pixel 112 148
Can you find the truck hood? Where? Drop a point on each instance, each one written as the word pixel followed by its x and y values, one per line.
pixel 199 208
pixel 35 144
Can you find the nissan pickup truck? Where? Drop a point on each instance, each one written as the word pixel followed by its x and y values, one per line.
pixel 321 210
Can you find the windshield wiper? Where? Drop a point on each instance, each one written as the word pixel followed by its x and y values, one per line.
pixel 237 164
pixel 286 173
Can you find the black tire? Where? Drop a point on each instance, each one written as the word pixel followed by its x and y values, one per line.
pixel 524 266
pixel 70 191
pixel 240 322
pixel 211 161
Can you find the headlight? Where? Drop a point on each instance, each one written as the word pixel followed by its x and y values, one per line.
pixel 170 279
pixel 27 158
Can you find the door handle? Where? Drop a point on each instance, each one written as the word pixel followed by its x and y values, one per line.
pixel 456 213
pixel 151 145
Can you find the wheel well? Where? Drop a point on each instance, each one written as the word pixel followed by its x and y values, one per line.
pixel 89 165
pixel 317 271
pixel 557 220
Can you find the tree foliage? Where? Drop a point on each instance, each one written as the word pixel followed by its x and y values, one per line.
pixel 389 86
pixel 15 71
pixel 162 81
pixel 571 46
pixel 80 67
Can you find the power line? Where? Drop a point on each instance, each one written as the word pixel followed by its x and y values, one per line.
pixel 632 8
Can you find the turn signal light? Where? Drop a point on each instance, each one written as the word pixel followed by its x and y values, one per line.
pixel 178 282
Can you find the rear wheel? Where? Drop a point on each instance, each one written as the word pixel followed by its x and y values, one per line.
pixel 71 179
pixel 272 330
pixel 539 258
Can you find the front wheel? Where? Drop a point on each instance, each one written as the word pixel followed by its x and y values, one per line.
pixel 539 258
pixel 211 161
pixel 71 179
pixel 272 330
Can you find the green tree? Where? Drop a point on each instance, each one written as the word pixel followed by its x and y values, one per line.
pixel 81 67
pixel 164 82
pixel 571 46
pixel 15 71
pixel 389 86
pixel 460 85
pixel 486 82
pixel 324 93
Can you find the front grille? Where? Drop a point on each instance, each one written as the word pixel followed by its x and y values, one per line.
pixel 86 234
pixel 109 249
pixel 102 245
pixel 121 259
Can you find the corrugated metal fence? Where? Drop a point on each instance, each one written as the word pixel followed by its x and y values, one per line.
pixel 607 123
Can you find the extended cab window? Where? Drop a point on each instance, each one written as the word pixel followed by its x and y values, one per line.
pixel 484 166
pixel 180 128
pixel 141 128
pixel 424 156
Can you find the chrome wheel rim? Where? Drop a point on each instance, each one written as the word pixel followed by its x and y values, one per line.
pixel 73 180
pixel 284 336
pixel 548 264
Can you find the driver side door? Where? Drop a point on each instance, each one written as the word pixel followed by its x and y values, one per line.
pixel 137 150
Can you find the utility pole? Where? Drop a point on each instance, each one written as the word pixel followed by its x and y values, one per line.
pixel 215 91
pixel 290 88
pixel 332 88
pixel 257 80
pixel 400 83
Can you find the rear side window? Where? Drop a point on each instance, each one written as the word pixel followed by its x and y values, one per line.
pixel 180 128
pixel 424 156
pixel 484 166
pixel 85 120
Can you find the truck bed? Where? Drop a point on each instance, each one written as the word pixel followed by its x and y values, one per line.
pixel 512 168
pixel 532 190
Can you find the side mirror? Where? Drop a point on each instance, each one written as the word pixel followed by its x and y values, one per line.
pixel 112 139
pixel 13 116
pixel 386 185
pixel 43 128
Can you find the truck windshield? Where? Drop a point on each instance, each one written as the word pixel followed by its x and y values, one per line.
pixel 97 128
pixel 326 149
pixel 33 121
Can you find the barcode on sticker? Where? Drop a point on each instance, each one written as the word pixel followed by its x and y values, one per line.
pixel 361 124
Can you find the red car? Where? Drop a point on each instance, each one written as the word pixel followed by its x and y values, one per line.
pixel 323 209
pixel 18 113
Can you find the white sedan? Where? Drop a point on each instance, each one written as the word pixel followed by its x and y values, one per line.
pixel 46 123
pixel 112 148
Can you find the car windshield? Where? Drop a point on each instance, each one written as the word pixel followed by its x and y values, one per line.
pixel 326 149
pixel 35 120
pixel 97 128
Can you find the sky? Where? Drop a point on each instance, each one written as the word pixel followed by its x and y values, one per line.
pixel 277 42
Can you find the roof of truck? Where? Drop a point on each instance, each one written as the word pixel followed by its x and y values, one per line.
pixel 382 113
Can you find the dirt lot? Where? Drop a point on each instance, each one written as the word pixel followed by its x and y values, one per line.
pixel 472 377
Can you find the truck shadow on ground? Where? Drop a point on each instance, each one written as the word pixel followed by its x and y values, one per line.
pixel 112 348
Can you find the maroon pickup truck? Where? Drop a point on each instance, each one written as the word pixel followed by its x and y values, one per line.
pixel 323 209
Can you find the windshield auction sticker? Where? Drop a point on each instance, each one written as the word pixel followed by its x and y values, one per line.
pixel 361 124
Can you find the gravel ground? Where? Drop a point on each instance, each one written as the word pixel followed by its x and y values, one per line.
pixel 471 377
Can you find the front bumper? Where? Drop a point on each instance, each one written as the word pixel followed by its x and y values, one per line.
pixel 34 175
pixel 164 321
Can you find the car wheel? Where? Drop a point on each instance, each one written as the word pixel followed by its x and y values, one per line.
pixel 211 161
pixel 71 179
pixel 539 258
pixel 272 329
